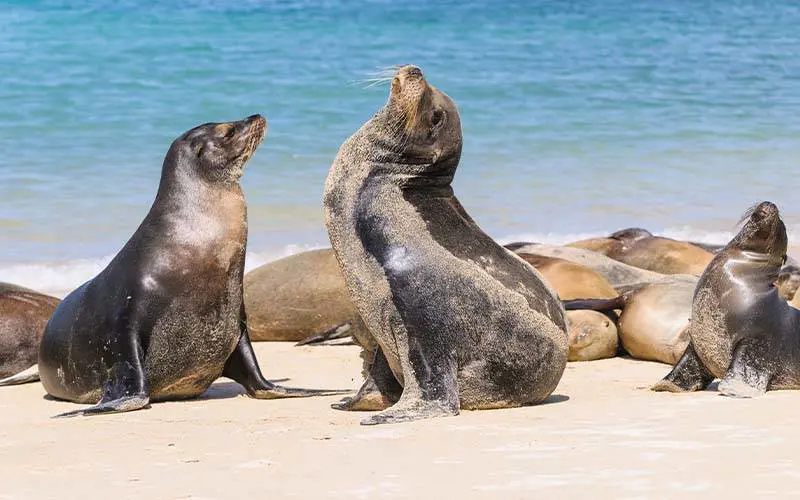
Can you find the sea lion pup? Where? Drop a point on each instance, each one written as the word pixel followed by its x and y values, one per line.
pixel 297 296
pixel 460 322
pixel 166 317
pixel 23 316
pixel 638 247
pixel 591 335
pixel 616 273
pixel 654 321
pixel 742 330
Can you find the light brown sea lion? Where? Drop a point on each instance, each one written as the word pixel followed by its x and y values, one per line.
pixel 592 335
pixel 23 316
pixel 298 296
pixel 570 280
pixel 460 322
pixel 615 272
pixel 638 247
pixel 654 319
pixel 742 332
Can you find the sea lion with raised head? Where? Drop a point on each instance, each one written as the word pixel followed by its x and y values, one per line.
pixel 742 331
pixel 166 317
pixel 639 248
pixel 460 322
pixel 23 315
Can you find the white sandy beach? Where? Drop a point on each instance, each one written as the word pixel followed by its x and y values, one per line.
pixel 601 436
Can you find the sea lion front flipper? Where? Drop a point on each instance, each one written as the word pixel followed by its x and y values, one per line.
pixel 242 367
pixel 126 389
pixel 688 375
pixel 380 390
pixel 748 374
pixel 430 387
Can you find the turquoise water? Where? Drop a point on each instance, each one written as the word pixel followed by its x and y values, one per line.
pixel 579 117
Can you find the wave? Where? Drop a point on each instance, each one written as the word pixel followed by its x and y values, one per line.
pixel 59 278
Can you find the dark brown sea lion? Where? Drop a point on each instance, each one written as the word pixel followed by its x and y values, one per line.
pixel 23 316
pixel 460 322
pixel 166 317
pixel 638 247
pixel 298 296
pixel 654 319
pixel 742 330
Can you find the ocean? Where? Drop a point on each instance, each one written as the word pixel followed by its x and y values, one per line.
pixel 579 117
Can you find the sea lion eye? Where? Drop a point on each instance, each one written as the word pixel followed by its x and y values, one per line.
pixel 437 118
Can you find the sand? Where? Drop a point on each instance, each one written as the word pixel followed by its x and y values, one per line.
pixel 601 435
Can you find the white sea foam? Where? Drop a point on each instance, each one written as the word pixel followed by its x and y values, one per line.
pixel 58 278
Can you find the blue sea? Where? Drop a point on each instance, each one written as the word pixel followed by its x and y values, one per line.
pixel 579 117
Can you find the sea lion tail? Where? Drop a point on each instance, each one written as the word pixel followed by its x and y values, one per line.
pixel 23 377
pixel 596 304
pixel 337 332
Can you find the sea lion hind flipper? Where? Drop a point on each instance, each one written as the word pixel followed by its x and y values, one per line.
pixel 124 404
pixel 688 375
pixel 595 304
pixel 337 332
pixel 749 374
pixel 23 377
pixel 380 390
pixel 242 367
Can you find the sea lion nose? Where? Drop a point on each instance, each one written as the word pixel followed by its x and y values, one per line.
pixel 409 71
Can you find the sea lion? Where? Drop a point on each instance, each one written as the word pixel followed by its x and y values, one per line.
pixel 591 335
pixel 638 247
pixel 742 330
pixel 23 316
pixel 460 322
pixel 616 273
pixel 570 280
pixel 297 296
pixel 655 317
pixel 166 317
pixel 789 279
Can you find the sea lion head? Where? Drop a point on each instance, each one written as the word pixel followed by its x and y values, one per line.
pixel 216 152
pixel 763 232
pixel 631 234
pixel 420 130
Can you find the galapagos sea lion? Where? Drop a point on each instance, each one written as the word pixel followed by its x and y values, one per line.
pixel 569 279
pixel 742 330
pixel 23 316
pixel 654 319
pixel 616 273
pixel 591 335
pixel 298 296
pixel 460 322
pixel 166 317
pixel 639 248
